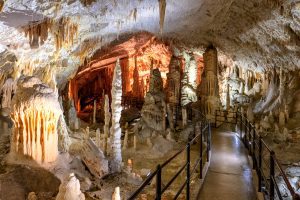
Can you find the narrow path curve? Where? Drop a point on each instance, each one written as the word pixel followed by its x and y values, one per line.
pixel 230 174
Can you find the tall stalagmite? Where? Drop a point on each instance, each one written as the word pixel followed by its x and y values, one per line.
pixel 115 130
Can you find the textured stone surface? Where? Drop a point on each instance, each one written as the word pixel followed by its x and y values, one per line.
pixel 257 33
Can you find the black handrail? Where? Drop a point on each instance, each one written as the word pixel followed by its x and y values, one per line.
pixel 205 130
pixel 259 163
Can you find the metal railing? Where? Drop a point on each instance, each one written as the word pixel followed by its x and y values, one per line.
pixel 202 132
pixel 267 166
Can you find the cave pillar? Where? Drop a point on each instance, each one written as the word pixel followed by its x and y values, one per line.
pixel 210 58
pixel 115 130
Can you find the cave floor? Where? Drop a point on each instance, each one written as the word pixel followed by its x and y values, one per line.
pixel 230 174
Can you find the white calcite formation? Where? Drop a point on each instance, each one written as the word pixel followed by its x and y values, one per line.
pixel 115 130
pixel 7 90
pixel 153 111
pixel 189 84
pixel 36 112
pixel 107 117
pixel 70 189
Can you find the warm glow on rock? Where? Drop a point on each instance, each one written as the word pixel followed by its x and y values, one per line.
pixel 35 113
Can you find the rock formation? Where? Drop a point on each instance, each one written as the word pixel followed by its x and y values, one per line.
pixel 70 189
pixel 209 85
pixel 93 158
pixel 7 91
pixel 189 84
pixel 36 113
pixel 153 115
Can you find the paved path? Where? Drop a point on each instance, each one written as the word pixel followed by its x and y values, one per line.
pixel 230 175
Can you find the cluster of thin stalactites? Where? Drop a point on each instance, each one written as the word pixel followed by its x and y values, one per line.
pixel 63 30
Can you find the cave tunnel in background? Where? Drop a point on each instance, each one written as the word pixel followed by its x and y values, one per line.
pixel 137 55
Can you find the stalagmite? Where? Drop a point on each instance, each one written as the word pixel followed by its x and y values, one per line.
pixel 281 119
pixel 87 133
pixel 36 112
pixel 70 189
pixel 286 112
pixel 125 143
pixel 129 165
pixel 98 138
pixel 107 117
pixel 64 140
pixel 76 125
pixel 162 13
pixel 116 195
pixel 95 111
pixel 115 130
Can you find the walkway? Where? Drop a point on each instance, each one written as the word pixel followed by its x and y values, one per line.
pixel 230 175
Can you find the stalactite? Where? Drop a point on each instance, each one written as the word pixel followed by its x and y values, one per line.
pixel 64 32
pixel 116 94
pixel 1 5
pixel 38 32
pixel 87 2
pixel 162 12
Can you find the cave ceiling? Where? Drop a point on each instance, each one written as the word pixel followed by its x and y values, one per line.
pixel 257 34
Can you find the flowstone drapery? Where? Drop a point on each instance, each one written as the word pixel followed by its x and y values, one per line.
pixel 36 113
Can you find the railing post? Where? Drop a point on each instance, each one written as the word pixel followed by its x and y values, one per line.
pixel 246 132
pixel 259 163
pixel 253 149
pixel 241 126
pixel 208 141
pixel 188 171
pixel 272 175
pixel 201 153
pixel 250 138
pixel 158 183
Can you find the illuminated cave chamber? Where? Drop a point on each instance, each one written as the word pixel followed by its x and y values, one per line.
pixel 138 55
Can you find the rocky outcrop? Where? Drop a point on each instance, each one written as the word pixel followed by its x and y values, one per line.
pixel 93 158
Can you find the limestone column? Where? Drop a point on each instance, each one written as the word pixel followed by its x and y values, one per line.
pixel 115 130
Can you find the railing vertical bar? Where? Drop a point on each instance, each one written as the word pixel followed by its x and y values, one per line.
pixel 158 183
pixel 272 175
pixel 188 159
pixel 254 149
pixel 201 152
pixel 259 164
